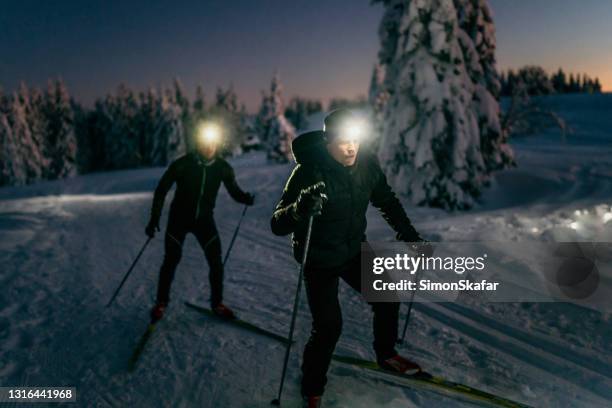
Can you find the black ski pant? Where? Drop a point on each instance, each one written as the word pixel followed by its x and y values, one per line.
pixel 322 292
pixel 206 233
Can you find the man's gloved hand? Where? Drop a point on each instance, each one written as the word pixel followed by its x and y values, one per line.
pixel 249 199
pixel 416 242
pixel 422 247
pixel 408 234
pixel 152 226
pixel 310 201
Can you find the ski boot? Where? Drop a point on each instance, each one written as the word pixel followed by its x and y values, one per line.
pixel 223 312
pixel 400 364
pixel 313 401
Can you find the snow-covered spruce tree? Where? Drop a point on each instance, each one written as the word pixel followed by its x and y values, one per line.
pixel 3 102
pixel 534 80
pixel 559 81
pixel 98 128
pixel 122 137
pixel 122 134
pixel 377 92
pixel 181 98
pixel 226 99
pixel 377 99
pixel 88 141
pixel 6 170
pixel 299 109
pixel 169 134
pixel 225 112
pixel 60 139
pixel 29 152
pixel 148 123
pixel 477 39
pixel 126 130
pixel 438 105
pixel 32 102
pixel 245 124
pixel 12 170
pixel 37 122
pixel 296 113
pixel 275 130
pixel 597 86
pixel 184 104
pixel 199 103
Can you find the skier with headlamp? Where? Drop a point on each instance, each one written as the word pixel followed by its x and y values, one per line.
pixel 334 181
pixel 198 176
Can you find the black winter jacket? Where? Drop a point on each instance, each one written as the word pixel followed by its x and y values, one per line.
pixel 338 232
pixel 197 184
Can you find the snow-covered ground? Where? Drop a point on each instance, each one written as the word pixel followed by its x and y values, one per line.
pixel 65 245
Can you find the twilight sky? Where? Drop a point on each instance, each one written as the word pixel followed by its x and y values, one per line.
pixel 321 48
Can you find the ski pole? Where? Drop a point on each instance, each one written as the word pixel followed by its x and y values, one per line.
pixel 128 272
pixel 231 244
pixel 296 302
pixel 401 339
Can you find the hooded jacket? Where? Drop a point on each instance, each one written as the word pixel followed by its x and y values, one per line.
pixel 197 184
pixel 338 232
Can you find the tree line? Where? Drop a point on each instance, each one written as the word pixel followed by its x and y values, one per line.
pixel 47 134
pixel 535 81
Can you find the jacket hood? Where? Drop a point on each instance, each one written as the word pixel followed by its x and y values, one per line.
pixel 309 147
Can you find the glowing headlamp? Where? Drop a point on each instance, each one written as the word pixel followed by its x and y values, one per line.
pixel 209 133
pixel 352 130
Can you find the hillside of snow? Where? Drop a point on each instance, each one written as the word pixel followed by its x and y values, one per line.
pixel 65 245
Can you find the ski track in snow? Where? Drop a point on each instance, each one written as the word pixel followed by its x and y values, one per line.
pixel 65 246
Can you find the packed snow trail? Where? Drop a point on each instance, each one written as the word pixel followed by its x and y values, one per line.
pixel 65 245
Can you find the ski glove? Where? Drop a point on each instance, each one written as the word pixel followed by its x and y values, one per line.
pixel 417 243
pixel 151 228
pixel 423 247
pixel 310 201
pixel 249 199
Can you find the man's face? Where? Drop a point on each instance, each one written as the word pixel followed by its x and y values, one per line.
pixel 207 148
pixel 344 150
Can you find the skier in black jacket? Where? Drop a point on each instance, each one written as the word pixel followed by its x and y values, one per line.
pixel 335 182
pixel 198 176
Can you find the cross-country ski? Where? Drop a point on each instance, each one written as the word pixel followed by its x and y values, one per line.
pixel 425 380
pixel 239 322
